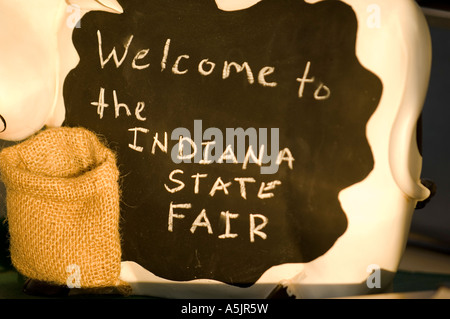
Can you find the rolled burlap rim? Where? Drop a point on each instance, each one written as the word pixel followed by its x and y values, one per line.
pixel 63 208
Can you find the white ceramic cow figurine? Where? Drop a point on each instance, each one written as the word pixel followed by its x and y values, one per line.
pixel 37 53
pixel 393 41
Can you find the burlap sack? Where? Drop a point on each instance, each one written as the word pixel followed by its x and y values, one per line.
pixel 63 208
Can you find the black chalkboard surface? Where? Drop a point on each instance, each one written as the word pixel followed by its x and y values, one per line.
pixel 171 83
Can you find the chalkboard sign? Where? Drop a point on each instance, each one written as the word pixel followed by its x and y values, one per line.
pixel 235 131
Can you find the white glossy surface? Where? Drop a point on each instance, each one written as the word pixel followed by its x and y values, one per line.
pixel 396 48
pixel 379 208
pixel 37 53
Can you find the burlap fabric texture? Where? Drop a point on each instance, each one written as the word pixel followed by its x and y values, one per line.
pixel 63 208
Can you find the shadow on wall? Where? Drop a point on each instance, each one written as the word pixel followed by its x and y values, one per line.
pixel 431 225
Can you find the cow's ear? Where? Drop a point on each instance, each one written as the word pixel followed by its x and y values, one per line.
pixel 102 5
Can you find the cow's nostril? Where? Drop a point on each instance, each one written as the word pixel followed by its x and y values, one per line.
pixel 2 124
